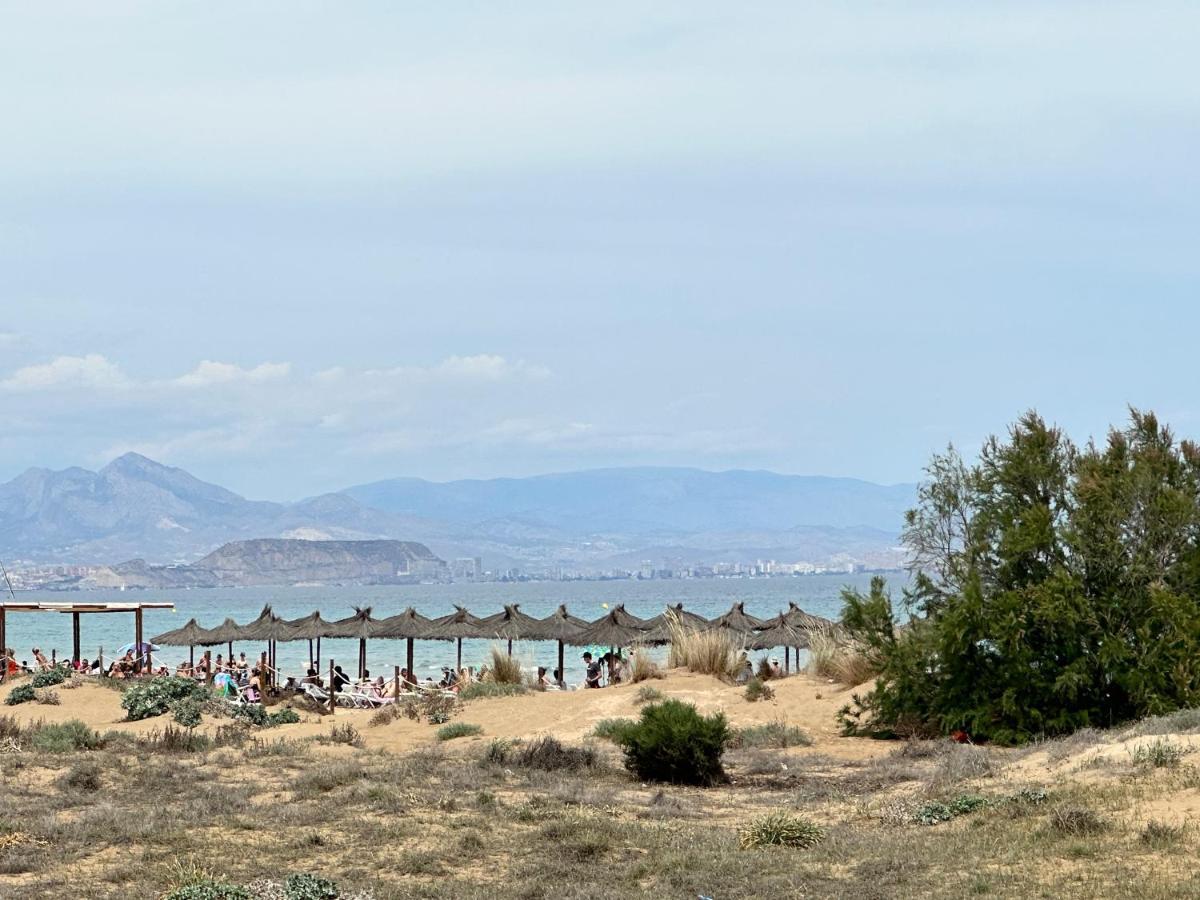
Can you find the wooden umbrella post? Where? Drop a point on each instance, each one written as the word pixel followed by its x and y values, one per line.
pixel 208 672
pixel 510 646
pixel 362 658
pixel 75 638
pixel 264 672
pixel 562 675
pixel 458 664
pixel 332 693
pixel 137 631
pixel 396 684
pixel 411 675
pixel 310 656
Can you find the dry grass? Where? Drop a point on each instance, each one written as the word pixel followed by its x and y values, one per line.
pixel 714 652
pixel 642 667
pixel 833 656
pixel 505 669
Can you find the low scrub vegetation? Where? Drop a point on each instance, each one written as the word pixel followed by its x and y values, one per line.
pixel 642 667
pixel 757 689
pixel 156 697
pixel 505 669
pixel 480 690
pixel 832 655
pixel 780 829
pixel 458 730
pixel 771 736
pixel 711 652
pixel 672 742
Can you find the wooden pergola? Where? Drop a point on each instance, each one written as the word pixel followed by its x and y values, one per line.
pixel 76 610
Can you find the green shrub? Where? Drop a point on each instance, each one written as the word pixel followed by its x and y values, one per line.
pixel 771 736
pixel 285 716
pixel 209 890
pixel 497 752
pixel 83 776
pixel 478 690
pixel 156 697
pixel 253 713
pixel 672 742
pixel 457 730
pixel 647 694
pixel 22 693
pixel 611 729
pixel 65 737
pixel 550 755
pixel 187 712
pixel 1076 820
pixel 1159 754
pixel 779 829
pixel 757 689
pixel 310 887
pixel 49 677
pixel 936 813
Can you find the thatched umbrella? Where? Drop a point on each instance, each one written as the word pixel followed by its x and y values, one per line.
pixel 226 633
pixel 311 628
pixel 799 619
pixel 267 628
pixel 189 636
pixel 456 626
pixel 615 629
pixel 510 625
pixel 410 625
pixel 737 620
pixel 559 626
pixel 359 626
pixel 658 629
pixel 778 633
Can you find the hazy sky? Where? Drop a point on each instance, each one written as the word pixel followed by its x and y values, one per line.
pixel 295 246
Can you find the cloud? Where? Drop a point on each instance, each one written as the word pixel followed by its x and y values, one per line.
pixel 91 372
pixel 209 373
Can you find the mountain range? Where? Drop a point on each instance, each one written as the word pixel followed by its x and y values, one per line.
pixel 136 507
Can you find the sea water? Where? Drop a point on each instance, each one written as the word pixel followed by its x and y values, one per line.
pixel 764 598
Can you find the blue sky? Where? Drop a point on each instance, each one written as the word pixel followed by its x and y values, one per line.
pixel 294 246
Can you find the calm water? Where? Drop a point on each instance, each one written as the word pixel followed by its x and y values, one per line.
pixel 819 594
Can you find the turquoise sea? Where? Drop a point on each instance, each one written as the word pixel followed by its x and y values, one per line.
pixel 819 594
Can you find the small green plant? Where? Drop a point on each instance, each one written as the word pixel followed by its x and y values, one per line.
pixel 479 690
pixel 65 737
pixel 187 712
pixel 936 813
pixel 672 742
pixel 1159 754
pixel 345 733
pixel 647 694
pixel 757 689
pixel 550 755
pixel 611 729
pixel 22 693
pixel 497 752
pixel 458 730
pixel 209 890
pixel 309 887
pixel 49 677
pixel 780 829
pixel 1029 797
pixel 771 736
pixel 157 696
pixel 285 716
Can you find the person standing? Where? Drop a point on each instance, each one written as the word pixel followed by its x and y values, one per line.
pixel 592 679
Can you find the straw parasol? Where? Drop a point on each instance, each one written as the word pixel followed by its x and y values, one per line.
pixel 267 628
pixel 189 635
pixel 409 625
pixel 559 626
pixel 510 625
pixel 358 626
pixel 779 633
pixel 799 619
pixel 456 626
pixel 658 630
pixel 615 629
pixel 737 619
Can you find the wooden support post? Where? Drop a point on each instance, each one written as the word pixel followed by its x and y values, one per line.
pixel 412 676
pixel 458 664
pixel 786 667
pixel 332 693
pixel 318 652
pixel 137 634
pixel 75 638
pixel 362 658
pixel 100 657
pixel 561 672
pixel 264 674
pixel 396 684
pixel 310 656
pixel 191 656
pixel 208 672
pixel 53 657
pixel 510 646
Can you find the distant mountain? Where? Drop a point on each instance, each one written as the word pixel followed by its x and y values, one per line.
pixel 646 501
pixel 135 507
pixel 286 562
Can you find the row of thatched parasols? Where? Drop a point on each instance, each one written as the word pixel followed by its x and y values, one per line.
pixel 617 628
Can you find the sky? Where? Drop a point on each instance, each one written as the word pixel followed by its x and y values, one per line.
pixel 296 246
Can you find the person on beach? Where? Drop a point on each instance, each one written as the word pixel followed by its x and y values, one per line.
pixel 558 680
pixel 339 680
pixel 776 669
pixel 41 660
pixel 542 683
pixel 10 662
pixel 592 679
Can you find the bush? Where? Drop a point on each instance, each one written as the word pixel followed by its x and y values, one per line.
pixel 285 716
pixel 84 776
pixel 612 729
pixel 935 813
pixel 187 712
pixel 1160 835
pixel 343 734
pixel 49 677
pixel 672 742
pixel 497 752
pixel 47 696
pixel 505 669
pixel 648 694
pixel 772 736
pixel 65 737
pixel 156 697
pixel 712 652
pixel 457 730
pixel 1159 754
pixel 757 689
pixel 209 890
pixel 549 755
pixel 434 708
pixel 478 690
pixel 310 887
pixel 22 693
pixel 779 829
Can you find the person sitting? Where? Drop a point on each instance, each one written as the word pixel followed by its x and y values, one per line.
pixel 11 667
pixel 241 664
pixel 558 680
pixel 542 683
pixel 592 679
pixel 745 669
pixel 406 680
pixel 339 680
pixel 82 665
pixel 219 665
pixel 311 677
pixel 40 658
pixel 775 669
pixel 449 678
pixel 183 670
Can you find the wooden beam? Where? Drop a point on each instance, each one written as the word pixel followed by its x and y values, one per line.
pixel 75 638
pixel 332 693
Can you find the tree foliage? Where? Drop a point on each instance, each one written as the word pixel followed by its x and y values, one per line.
pixel 1054 587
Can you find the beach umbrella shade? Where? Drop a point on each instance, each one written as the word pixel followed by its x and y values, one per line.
pixel 803 621
pixel 738 620
pixel 778 633
pixel 617 628
pixel 409 625
pixel 306 628
pixel 510 625
pixel 188 635
pixel 356 627
pixel 456 626
pixel 559 626
pixel 658 629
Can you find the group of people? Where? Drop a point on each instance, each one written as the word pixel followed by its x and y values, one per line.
pixel 611 668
